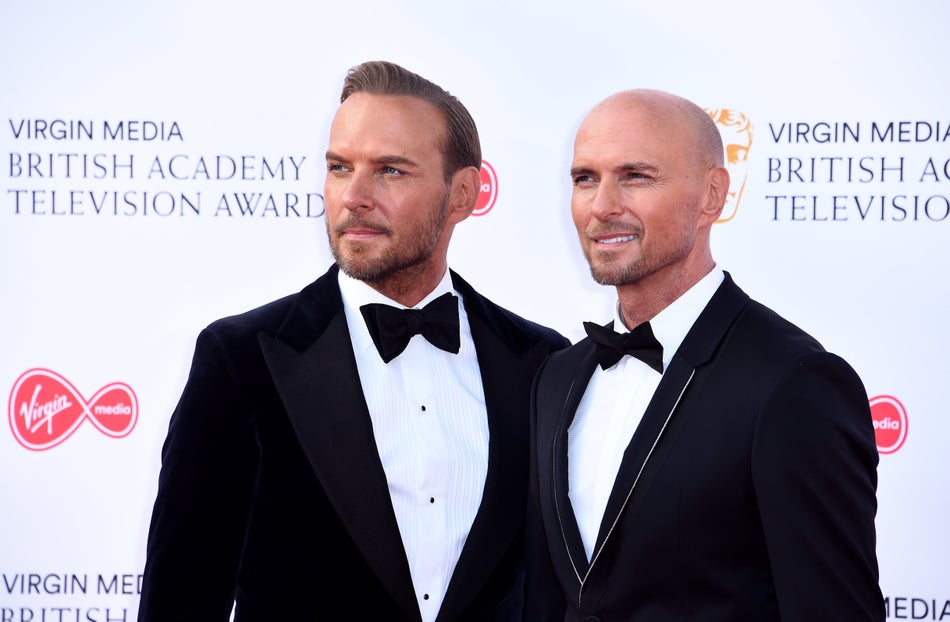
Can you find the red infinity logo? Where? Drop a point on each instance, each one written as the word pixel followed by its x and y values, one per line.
pixel 45 409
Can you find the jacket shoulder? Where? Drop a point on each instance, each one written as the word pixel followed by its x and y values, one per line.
pixel 520 333
pixel 764 329
pixel 295 318
pixel 266 318
pixel 531 331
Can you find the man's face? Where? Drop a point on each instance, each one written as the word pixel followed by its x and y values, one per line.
pixel 636 194
pixel 385 192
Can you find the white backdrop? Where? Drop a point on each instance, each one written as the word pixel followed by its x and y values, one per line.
pixel 117 248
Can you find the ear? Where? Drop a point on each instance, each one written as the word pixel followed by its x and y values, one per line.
pixel 717 190
pixel 463 194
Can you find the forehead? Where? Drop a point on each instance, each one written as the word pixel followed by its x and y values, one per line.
pixel 392 124
pixel 623 131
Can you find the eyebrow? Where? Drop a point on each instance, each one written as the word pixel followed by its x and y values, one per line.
pixel 394 159
pixel 636 166
pixel 389 159
pixel 622 168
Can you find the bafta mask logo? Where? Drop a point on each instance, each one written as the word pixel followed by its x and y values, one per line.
pixel 736 131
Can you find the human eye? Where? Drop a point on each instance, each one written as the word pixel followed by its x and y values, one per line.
pixel 336 167
pixel 582 179
pixel 391 171
pixel 638 174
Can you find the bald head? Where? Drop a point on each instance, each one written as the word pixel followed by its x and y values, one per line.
pixel 649 183
pixel 667 113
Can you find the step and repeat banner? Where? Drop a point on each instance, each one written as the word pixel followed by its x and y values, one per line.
pixel 162 166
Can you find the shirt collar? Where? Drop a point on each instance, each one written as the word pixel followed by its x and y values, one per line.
pixel 672 323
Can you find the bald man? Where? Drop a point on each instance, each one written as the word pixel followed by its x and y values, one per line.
pixel 699 457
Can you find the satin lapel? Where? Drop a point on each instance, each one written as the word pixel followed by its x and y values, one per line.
pixel 321 392
pixel 495 522
pixel 507 364
pixel 659 421
pixel 561 484
pixel 653 425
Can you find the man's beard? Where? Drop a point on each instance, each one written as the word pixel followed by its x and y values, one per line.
pixel 618 275
pixel 414 249
pixel 632 272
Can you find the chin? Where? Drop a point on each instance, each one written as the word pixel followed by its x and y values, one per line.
pixel 615 275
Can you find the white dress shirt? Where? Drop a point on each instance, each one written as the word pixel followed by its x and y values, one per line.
pixel 431 427
pixel 613 405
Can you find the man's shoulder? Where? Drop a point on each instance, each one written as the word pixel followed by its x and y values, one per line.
pixel 763 325
pixel 509 326
pixel 265 318
pixel 733 318
pixel 271 317
pixel 530 328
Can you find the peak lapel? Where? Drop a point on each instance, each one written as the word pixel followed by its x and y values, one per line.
pixel 560 388
pixel 507 368
pixel 562 500
pixel 321 392
pixel 645 439
pixel 495 523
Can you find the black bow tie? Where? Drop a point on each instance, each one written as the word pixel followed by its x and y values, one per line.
pixel 612 346
pixel 391 328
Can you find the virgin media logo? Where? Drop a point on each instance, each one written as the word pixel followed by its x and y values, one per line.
pixel 45 409
pixel 890 423
pixel 489 190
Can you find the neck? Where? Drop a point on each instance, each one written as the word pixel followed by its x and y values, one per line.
pixel 643 300
pixel 410 285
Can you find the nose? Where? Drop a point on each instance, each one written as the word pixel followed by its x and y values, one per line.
pixel 606 202
pixel 358 191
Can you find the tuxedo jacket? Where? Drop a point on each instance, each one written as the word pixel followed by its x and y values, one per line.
pixel 747 491
pixel 272 495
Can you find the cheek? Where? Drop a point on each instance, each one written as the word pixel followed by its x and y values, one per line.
pixel 331 191
pixel 579 214
pixel 331 205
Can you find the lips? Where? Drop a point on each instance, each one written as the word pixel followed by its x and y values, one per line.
pixel 357 229
pixel 615 239
pixel 603 238
pixel 360 232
